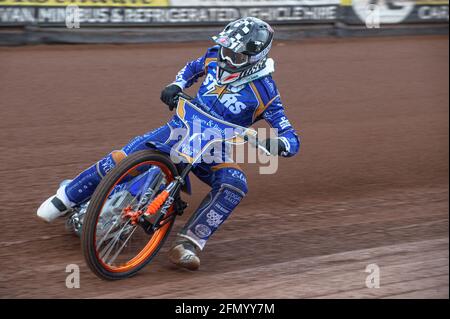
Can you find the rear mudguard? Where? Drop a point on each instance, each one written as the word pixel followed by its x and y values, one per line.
pixel 163 148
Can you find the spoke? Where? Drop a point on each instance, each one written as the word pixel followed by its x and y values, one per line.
pixel 107 250
pixel 113 258
pixel 109 236
pixel 105 236
pixel 109 247
pixel 132 201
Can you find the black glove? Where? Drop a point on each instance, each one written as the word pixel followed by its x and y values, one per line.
pixel 169 94
pixel 275 146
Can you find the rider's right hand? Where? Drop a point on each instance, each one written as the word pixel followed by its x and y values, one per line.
pixel 168 95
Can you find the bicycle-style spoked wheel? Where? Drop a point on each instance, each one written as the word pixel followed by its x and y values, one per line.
pixel 114 245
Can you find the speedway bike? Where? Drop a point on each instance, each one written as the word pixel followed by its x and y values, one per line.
pixel 133 209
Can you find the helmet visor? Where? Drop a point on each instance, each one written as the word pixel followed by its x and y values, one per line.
pixel 233 58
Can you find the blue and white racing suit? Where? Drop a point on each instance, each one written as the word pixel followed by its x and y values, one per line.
pixel 242 105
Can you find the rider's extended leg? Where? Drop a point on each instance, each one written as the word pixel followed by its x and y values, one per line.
pixel 83 186
pixel 229 186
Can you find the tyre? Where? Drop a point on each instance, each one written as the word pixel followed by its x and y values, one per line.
pixel 115 248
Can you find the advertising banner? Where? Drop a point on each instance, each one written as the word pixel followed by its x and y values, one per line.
pixel 251 3
pixel 160 12
pixel 217 12
pixel 86 3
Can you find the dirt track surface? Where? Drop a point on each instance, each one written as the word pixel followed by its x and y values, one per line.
pixel 370 184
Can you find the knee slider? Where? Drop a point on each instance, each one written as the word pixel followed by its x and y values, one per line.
pixel 109 162
pixel 235 178
pixel 118 156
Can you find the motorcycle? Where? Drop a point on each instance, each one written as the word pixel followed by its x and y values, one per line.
pixel 132 211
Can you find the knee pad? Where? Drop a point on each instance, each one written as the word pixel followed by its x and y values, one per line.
pixel 233 177
pixel 109 162
pixel 118 156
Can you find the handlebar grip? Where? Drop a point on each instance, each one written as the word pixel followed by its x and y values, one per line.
pixel 185 96
pixel 182 95
pixel 254 141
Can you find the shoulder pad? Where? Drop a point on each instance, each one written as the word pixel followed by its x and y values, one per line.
pixel 269 85
pixel 266 88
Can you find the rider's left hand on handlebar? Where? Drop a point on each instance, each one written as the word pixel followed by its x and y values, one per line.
pixel 169 94
pixel 275 146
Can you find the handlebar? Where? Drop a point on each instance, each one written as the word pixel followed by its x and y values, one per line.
pixel 185 96
pixel 256 143
pixel 248 138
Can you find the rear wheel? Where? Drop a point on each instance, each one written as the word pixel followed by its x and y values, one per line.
pixel 113 246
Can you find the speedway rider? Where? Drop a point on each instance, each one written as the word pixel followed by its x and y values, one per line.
pixel 237 88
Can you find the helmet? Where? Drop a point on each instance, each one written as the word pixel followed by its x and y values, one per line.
pixel 244 46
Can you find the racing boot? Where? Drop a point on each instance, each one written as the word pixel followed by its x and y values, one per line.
pixel 56 205
pixel 184 254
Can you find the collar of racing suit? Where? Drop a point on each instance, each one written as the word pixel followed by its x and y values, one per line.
pixel 268 69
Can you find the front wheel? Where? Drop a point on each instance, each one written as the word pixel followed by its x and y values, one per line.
pixel 113 246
